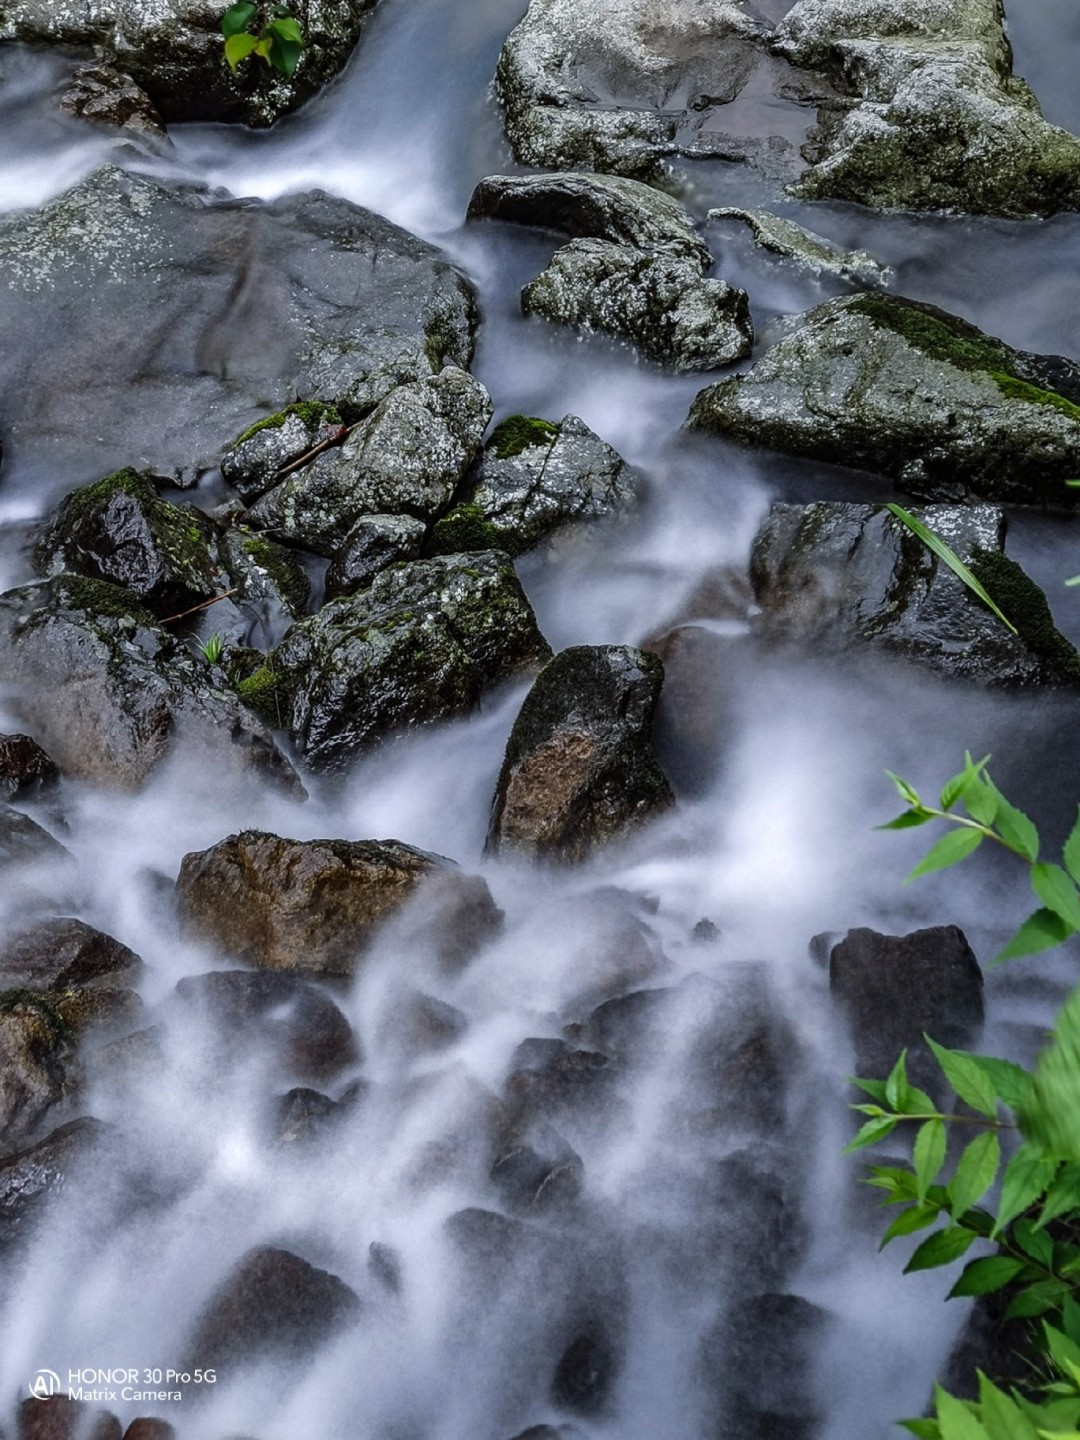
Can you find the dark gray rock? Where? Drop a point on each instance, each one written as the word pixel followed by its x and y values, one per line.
pixel 758 1364
pixel 533 480
pixel 579 770
pixel 148 1427
pixel 585 1373
pixel 272 1304
pixel 267 577
pixel 374 543
pixel 304 1116
pixel 60 1417
pixel 537 1172
pixel 111 693
pixel 422 643
pixel 299 1024
pixel 22 840
pixel 174 51
pixel 37 1064
pixel 839 576
pixel 120 530
pixel 253 462
pixel 910 391
pixel 31 1177
pixel 106 96
pixel 314 906
pixel 307 295
pixel 25 768
pixel 896 988
pixel 551 1077
pixel 660 305
pixel 407 456
pixel 804 249
pixel 60 952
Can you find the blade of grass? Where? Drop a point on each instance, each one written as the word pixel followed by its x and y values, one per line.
pixel 951 559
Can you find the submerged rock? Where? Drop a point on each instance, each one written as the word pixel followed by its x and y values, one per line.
pixel 907 390
pixel 373 544
pixel 305 295
pixel 843 575
pixel 579 770
pixel 37 1058
pixel 25 768
pixel 421 643
pixel 31 1177
pixel 317 905
pixel 758 1364
pixel 23 840
pixel 56 953
pixel 533 479
pixel 801 247
pixel 407 456
pixel 174 51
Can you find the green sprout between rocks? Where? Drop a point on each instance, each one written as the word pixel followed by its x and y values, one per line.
pixel 211 649
pixel 280 42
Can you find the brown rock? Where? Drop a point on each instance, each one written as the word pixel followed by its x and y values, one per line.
pixel 24 767
pixel 60 1418
pixel 59 952
pixel 36 1063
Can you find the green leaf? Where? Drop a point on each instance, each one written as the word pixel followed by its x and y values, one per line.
pixel 949 556
pixel 976 1171
pixel 1034 1242
pixel 907 821
pixel 238 17
pixel 897 1182
pixel 967 1078
pixel 941 1248
pixel 288 28
pixel 907 792
pixel 896 1086
pixel 954 789
pixel 917 1102
pixel 981 800
pixel 870 1133
pixel 928 1154
pixel 915 1217
pixel 284 55
pixel 921 1428
pixel 1057 892
pixel 1014 827
pixel 956 1420
pixel 1011 1083
pixel 953 846
pixel 1035 1300
pixel 1066 1352
pixel 983 1277
pixel 239 47
pixel 1063 1194
pixel 1052 1115
pixel 1003 1418
pixel 1071 850
pixel 1041 931
pixel 1026 1177
pixel 874 1088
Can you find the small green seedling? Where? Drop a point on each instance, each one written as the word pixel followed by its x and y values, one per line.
pixel 212 649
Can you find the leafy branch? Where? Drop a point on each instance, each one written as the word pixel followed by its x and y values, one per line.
pixel 280 42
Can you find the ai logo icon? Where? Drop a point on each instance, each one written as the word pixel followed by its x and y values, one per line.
pixel 44 1384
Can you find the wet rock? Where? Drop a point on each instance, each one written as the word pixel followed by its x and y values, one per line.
pixel 272 1303
pixel 37 1064
pixel 23 841
pixel 695 709
pixel 486 1241
pixel 840 575
pixel 61 1418
pixel 907 390
pixel 936 119
pixel 267 578
pixel 551 1077
pixel 296 1021
pixel 759 1363
pixel 373 544
pixel 60 952
pixel 95 1014
pixel 112 694
pixel 421 643
pixel 536 1171
pixel 811 253
pixel 600 207
pixel 421 1024
pixel 253 462
pixel 579 770
pixel 408 456
pixel 31 1177
pixel 25 769
pixel 316 905
pixel 533 479
pixel 120 530
pixel 305 1115
pixel 306 295
pixel 896 988
pixel 106 96
pixel 660 305
pixel 173 51
pixel 621 1027
pixel 148 1427
pixel 585 1373
pixel 549 1432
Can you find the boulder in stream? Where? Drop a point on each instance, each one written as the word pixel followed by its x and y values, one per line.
pixel 60 1417
pixel 910 391
pixel 25 768
pixel 23 841
pixel 840 576
pixel 315 906
pixel 37 1064
pixel 60 952
pixel 374 543
pixel 32 1176
pixel 579 769
pixel 802 248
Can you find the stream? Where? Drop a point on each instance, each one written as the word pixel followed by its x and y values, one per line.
pixel 780 779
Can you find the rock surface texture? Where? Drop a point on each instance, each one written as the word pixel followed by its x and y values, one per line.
pixel 907 390
pixel 579 769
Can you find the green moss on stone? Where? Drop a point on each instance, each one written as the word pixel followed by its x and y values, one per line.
pixel 121 482
pixel 313 413
pixel 99 597
pixel 264 690
pixel 1026 606
pixel 284 570
pixel 1015 389
pixel 952 341
pixel 467 529
pixel 517 432
pixel 19 998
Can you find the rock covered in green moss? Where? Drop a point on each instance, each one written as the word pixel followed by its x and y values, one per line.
pixel 533 479
pixel 407 457
pixel 120 530
pixel 579 770
pixel 374 543
pixel 264 573
pixel 422 642
pixel 662 306
pixel 842 576
pixel 910 391
pixel 252 462
pixel 112 693
pixel 316 906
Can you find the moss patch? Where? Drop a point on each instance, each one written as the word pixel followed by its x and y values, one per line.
pixel 311 413
pixel 1014 389
pixel 950 340
pixel 517 432
pixel 283 568
pixel 1025 605
pixel 465 530
pixel 17 999
pixel 99 597
pixel 121 482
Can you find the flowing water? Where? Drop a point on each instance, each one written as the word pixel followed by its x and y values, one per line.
pixel 779 788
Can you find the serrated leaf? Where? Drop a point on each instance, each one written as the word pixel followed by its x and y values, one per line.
pixel 907 821
pixel 1027 1175
pixel 981 800
pixel 941 1248
pixel 1052 1115
pixel 950 849
pixel 1035 1300
pixel 874 1088
pixel 928 1154
pixel 1066 1352
pixel 921 1428
pixel 967 1078
pixel 1014 827
pixel 1041 931
pixel 896 1086
pixel 1057 892
pixel 976 1171
pixel 914 1218
pixel 1003 1418
pixel 1070 852
pixel 917 1102
pixel 1034 1242
pixel 1061 1195
pixel 954 789
pixel 984 1277
pixel 1011 1083
pixel 238 17
pixel 238 47
pixel 870 1134
pixel 956 1420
